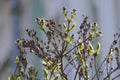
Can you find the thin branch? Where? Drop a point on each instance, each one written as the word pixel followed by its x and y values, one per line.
pixel 96 67
pixel 70 70
pixel 99 68
pixel 76 72
pixel 68 64
pixel 116 77
pixel 74 47
pixel 51 42
pixel 71 50
pixel 50 76
pixel 111 73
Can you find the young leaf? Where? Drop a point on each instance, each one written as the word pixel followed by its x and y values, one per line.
pixel 41 23
pixel 17 61
pixel 67 39
pixel 43 62
pixel 91 49
pixel 72 27
pixel 10 78
pixel 56 77
pixel 18 78
pixel 45 71
pixel 96 52
pixel 65 11
pixel 110 53
pixel 94 26
pixel 71 39
pixel 69 19
pixel 65 27
pixel 91 35
pixel 98 48
pixel 81 45
pixel 62 77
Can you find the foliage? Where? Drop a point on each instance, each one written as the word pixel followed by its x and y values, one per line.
pixel 61 45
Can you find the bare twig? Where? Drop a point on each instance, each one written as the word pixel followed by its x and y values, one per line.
pixel 116 77
pixel 99 68
pixel 96 68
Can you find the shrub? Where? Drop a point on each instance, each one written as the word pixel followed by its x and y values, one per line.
pixel 60 45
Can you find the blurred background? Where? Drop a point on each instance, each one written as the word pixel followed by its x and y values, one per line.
pixel 17 15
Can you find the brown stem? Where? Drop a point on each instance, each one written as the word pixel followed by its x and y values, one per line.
pixel 111 73
pixel 51 42
pixel 71 50
pixel 116 77
pixel 96 68
pixel 15 69
pixel 76 72
pixel 68 25
pixel 62 71
pixel 99 68
pixel 50 76
pixel 64 47
pixel 68 64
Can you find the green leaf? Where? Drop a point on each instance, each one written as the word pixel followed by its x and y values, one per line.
pixel 91 49
pixel 82 62
pixel 81 45
pixel 72 27
pixel 53 70
pixel 69 19
pixel 98 48
pixel 94 26
pixel 43 62
pixel 10 77
pixel 65 27
pixel 91 35
pixel 41 22
pixel 56 77
pixel 17 60
pixel 78 57
pixel 62 77
pixel 110 53
pixel 65 11
pixel 45 71
pixel 67 39
pixel 83 70
pixel 18 78
pixel 71 39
